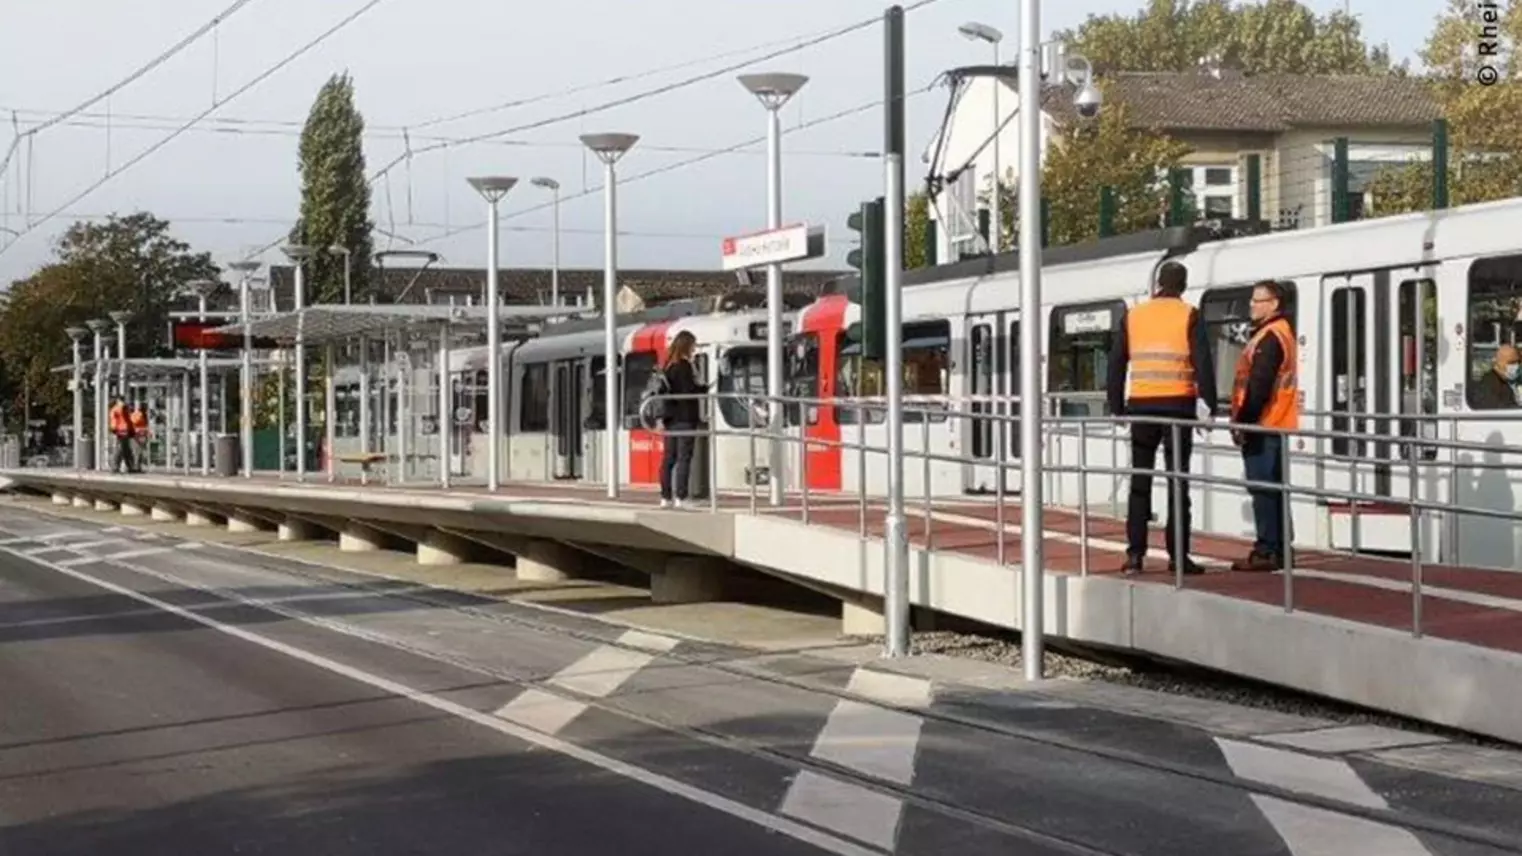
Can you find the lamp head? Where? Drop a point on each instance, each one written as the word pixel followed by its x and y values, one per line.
pixel 120 317
pixel 546 183
pixel 203 287
pixel 245 266
pixel 337 250
pixel 297 253
pixel 77 333
pixel 981 32
pixel 773 88
pixel 609 147
pixel 98 325
pixel 493 187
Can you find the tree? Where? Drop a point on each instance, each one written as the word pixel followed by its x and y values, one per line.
pixel 1088 156
pixel 335 197
pixel 1485 122
pixel 1272 36
pixel 130 263
pixel 916 239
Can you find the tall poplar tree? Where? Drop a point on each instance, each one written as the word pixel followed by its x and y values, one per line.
pixel 335 197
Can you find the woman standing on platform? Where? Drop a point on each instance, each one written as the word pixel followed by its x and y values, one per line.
pixel 680 415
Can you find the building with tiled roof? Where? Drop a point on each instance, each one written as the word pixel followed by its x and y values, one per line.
pixel 1224 116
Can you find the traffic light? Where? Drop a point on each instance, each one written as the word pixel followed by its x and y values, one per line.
pixel 871 261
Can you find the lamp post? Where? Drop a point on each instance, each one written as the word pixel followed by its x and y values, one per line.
pixel 299 254
pixel 99 326
pixel 984 33
pixel 203 289
pixel 774 90
pixel 76 336
pixel 337 250
pixel 609 148
pixel 120 319
pixel 553 186
pixel 492 189
pixel 245 271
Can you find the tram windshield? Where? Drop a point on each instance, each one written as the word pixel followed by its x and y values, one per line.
pixel 744 374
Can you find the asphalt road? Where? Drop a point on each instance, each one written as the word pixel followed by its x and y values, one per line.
pixel 167 697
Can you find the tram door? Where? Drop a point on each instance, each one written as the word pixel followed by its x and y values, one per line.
pixel 993 354
pixel 566 418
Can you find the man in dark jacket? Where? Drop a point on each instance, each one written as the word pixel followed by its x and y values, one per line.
pixel 1497 389
pixel 1266 393
pixel 1163 345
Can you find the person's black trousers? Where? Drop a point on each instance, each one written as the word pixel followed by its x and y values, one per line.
pixel 1146 437
pixel 676 460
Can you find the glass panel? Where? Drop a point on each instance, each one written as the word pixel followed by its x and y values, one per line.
pixel 1082 338
pixel 1226 313
pixel 637 371
pixel 1218 206
pixel 1218 176
pixel 1495 319
pixel 535 398
pixel 745 374
pixel 1349 394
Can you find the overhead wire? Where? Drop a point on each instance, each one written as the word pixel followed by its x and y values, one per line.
pixel 130 79
pixel 146 153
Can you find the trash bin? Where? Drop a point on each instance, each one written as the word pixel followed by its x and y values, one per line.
pixel 84 453
pixel 226 458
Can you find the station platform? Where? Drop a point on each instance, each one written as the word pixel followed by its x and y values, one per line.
pixel 1447 650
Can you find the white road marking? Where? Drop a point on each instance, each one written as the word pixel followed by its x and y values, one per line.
pixel 88 545
pixel 1349 738
pixel 541 711
pixel 1309 831
pixel 601 672
pixel 847 808
pixel 777 823
pixel 648 641
pixel 130 554
pixel 873 740
pixel 1327 778
pixel 886 687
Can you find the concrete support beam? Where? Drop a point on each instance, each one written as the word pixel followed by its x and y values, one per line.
pixel 62 499
pixel 199 518
pixel 165 514
pixel 442 548
pixel 83 502
pixel 862 619
pixel 296 529
pixel 359 539
pixel 243 523
pixel 134 509
pixel 547 562
pixel 688 579
pixel 104 505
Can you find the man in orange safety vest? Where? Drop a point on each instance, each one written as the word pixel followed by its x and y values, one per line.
pixel 121 429
pixel 1267 394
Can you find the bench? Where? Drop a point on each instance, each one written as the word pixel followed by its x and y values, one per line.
pixel 366 460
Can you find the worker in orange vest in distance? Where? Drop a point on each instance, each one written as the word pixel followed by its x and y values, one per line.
pixel 1267 393
pixel 138 420
pixel 121 428
pixel 1163 344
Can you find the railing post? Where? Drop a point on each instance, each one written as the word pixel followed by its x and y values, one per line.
pixel 1287 533
pixel 1000 465
pixel 925 453
pixel 1176 494
pixel 1416 551
pixel 713 457
pixel 1083 499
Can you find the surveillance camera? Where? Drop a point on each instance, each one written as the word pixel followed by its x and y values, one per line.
pixel 1088 101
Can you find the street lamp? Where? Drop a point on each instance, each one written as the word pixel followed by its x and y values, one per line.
pixel 299 254
pixel 203 289
pixel 337 250
pixel 77 335
pixel 984 33
pixel 609 148
pixel 553 186
pixel 774 90
pixel 99 327
pixel 120 319
pixel 492 189
pixel 245 270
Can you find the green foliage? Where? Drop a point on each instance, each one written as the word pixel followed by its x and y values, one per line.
pixel 131 263
pixel 1088 156
pixel 335 197
pixel 1272 36
pixel 916 216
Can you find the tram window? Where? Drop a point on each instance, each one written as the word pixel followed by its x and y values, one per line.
pixel 1226 314
pixel 346 413
pixel 1012 422
pixel 481 400
pixel 980 348
pixel 636 375
pixel 803 376
pixel 927 371
pixel 1349 395
pixel 597 413
pixel 534 395
pixel 745 374
pixel 1495 319
pixel 1082 338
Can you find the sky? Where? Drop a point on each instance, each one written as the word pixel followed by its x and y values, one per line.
pixel 230 184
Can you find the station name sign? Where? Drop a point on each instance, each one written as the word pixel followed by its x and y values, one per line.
pixel 775 246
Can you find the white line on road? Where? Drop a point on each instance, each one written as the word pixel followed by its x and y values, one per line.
pixel 88 545
pixel 130 554
pixel 601 672
pixel 541 711
pixel 820 839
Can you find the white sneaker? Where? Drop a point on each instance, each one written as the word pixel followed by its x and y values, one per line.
pixel 665 503
pixel 681 504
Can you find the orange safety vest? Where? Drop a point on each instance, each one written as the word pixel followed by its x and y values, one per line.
pixel 139 423
pixel 1283 410
pixel 119 420
pixel 1158 335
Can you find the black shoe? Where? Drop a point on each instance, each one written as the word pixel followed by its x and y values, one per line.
pixel 1191 568
pixel 1132 566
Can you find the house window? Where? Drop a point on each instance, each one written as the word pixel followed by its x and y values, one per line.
pixel 1215 191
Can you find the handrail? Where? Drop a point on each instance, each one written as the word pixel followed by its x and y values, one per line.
pixel 1417 506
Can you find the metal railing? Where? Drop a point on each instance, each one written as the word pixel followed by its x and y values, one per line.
pixel 1112 428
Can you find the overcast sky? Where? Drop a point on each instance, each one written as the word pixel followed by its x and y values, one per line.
pixel 230 184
